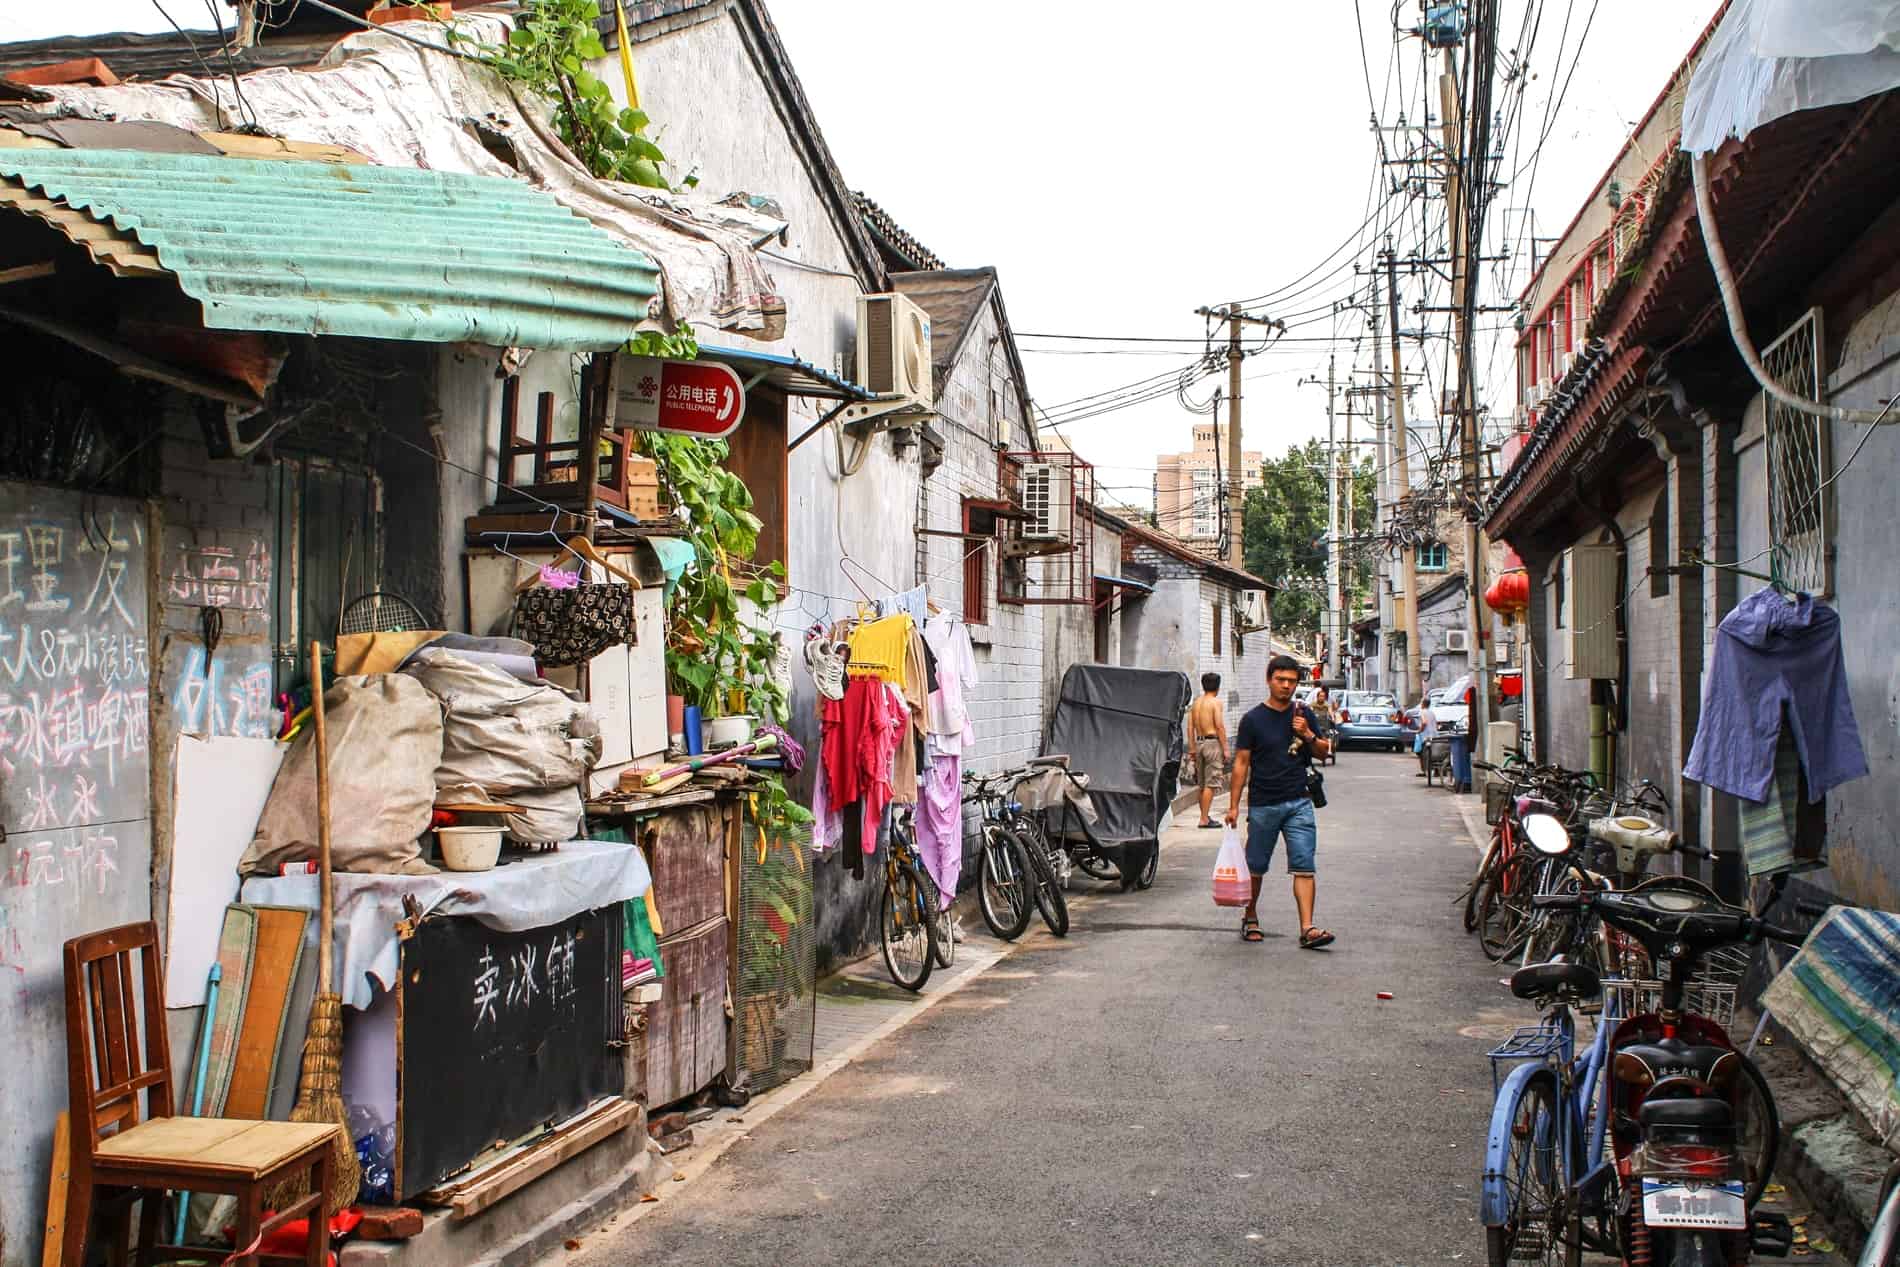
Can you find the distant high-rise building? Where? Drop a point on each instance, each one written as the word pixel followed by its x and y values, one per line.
pixel 1188 500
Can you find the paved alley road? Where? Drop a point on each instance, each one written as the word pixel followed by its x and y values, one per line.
pixel 1153 1090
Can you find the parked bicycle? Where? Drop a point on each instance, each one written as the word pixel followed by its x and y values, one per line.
pixel 908 919
pixel 1017 869
pixel 1656 1142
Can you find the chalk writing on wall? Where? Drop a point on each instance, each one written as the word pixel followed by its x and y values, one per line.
pixel 524 975
pixel 75 664
pixel 221 576
pixel 211 699
pixel 74 667
pixel 85 860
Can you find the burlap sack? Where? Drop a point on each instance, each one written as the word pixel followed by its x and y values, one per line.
pixel 502 734
pixel 385 740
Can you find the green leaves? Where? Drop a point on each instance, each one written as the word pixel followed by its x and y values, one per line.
pixel 547 53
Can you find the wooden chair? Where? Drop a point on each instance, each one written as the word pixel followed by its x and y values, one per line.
pixel 125 1152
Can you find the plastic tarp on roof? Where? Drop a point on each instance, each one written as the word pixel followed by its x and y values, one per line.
pixel 403 106
pixel 1123 728
pixel 1770 58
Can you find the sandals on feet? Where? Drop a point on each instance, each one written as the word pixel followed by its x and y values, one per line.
pixel 1250 929
pixel 1315 937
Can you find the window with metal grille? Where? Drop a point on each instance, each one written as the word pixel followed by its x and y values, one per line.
pixel 1799 513
pixel 1217 615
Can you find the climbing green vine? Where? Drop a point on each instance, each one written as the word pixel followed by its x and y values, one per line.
pixel 547 53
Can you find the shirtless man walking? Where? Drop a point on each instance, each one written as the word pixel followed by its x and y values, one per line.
pixel 1207 725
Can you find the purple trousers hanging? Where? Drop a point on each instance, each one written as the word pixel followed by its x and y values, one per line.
pixel 939 823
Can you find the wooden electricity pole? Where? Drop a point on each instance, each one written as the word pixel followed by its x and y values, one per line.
pixel 1405 604
pixel 1236 482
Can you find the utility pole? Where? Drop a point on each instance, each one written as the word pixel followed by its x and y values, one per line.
pixel 1236 485
pixel 1382 496
pixel 1406 604
pixel 1458 192
pixel 1335 591
pixel 1345 562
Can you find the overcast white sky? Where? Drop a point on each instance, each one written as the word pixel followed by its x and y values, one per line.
pixel 1124 164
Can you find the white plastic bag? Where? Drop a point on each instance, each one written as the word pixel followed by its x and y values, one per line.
pixel 1232 885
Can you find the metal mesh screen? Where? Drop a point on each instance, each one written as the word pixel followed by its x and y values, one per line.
pixel 775 1004
pixel 1798 460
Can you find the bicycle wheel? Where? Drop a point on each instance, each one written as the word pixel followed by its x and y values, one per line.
pixel 1002 890
pixel 943 938
pixel 1151 868
pixel 1480 879
pixel 1757 1130
pixel 1505 917
pixel 908 926
pixel 1095 866
pixel 1537 1225
pixel 1045 888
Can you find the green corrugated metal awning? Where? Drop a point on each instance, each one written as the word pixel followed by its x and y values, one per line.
pixel 353 249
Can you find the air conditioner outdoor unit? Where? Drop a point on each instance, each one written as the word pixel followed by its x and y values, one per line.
pixel 1251 610
pixel 1457 640
pixel 1566 364
pixel 1534 395
pixel 1590 600
pixel 893 361
pixel 1048 500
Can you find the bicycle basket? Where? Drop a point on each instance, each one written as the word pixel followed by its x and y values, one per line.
pixel 1711 990
pixel 1497 801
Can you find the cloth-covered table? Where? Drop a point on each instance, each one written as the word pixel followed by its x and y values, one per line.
pixel 529 892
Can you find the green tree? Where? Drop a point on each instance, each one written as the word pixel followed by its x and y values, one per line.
pixel 1283 535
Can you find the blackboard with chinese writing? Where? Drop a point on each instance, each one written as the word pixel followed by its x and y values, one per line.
pixel 502 1034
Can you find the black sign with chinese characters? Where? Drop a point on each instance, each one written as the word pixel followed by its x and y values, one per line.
pixel 502 1034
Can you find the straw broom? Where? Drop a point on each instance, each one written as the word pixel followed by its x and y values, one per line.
pixel 320 1083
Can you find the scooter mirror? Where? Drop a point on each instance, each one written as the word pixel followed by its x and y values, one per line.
pixel 1547 835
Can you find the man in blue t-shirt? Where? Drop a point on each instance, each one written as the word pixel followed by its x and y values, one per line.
pixel 1277 742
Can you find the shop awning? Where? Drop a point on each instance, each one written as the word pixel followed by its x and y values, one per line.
pixel 344 249
pixel 786 373
pixel 1124 582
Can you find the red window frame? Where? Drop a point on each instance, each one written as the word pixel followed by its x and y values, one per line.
pixel 976 572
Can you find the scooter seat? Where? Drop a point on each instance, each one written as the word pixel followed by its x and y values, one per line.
pixel 1541 980
pixel 1704 1112
pixel 1673 1058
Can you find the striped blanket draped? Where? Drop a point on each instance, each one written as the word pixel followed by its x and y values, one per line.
pixel 1840 997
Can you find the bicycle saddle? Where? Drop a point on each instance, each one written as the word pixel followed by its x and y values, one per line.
pixel 1055 761
pixel 1541 980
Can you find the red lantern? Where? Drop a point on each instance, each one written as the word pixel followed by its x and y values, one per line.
pixel 1510 594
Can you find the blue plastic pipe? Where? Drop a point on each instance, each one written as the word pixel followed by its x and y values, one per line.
pixel 198 1077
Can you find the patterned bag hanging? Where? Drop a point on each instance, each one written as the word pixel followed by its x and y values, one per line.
pixel 572 626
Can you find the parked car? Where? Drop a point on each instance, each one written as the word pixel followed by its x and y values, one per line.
pixel 1371 718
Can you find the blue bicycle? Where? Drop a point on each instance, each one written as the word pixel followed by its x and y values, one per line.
pixel 1656 1141
pixel 1545 1156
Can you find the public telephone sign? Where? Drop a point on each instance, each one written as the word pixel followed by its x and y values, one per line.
pixel 695 398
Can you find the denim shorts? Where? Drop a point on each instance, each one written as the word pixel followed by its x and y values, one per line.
pixel 1265 825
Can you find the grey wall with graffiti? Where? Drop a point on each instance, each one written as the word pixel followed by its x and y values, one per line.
pixel 75 786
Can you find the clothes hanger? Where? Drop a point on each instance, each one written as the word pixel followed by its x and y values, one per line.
pixel 585 550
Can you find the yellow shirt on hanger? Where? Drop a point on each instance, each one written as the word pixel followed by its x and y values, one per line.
pixel 878 647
